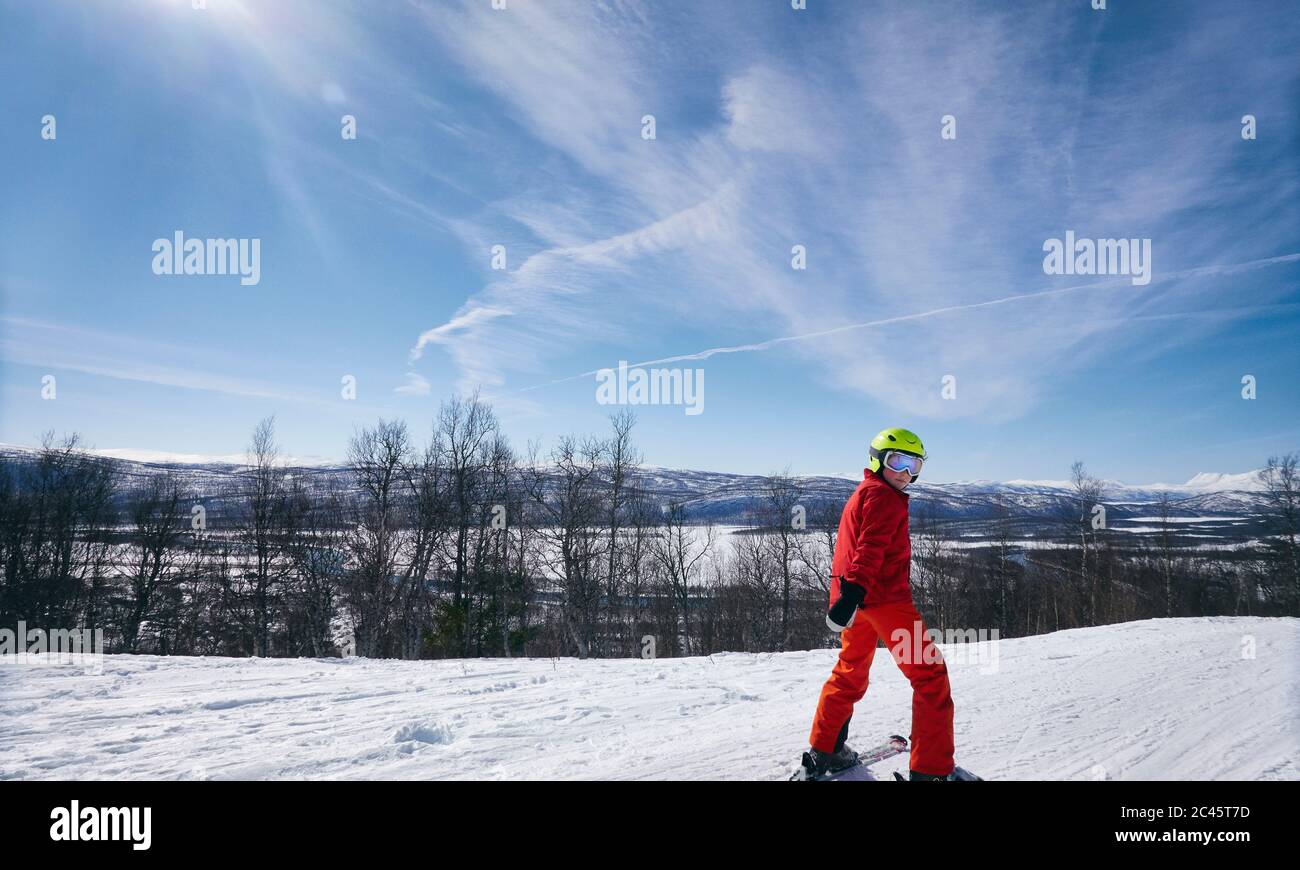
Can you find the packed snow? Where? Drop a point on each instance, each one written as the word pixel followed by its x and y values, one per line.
pixel 1203 698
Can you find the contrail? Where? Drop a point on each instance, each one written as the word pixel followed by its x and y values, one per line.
pixel 773 342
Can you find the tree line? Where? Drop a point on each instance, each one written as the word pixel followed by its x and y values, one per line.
pixel 1088 573
pixel 463 546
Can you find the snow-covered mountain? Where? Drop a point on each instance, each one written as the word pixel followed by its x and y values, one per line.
pixel 162 457
pixel 1171 699
pixel 1246 481
pixel 729 497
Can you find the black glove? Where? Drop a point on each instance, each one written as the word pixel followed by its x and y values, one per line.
pixel 841 614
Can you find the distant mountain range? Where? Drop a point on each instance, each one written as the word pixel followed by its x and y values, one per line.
pixel 1206 497
pixel 1208 505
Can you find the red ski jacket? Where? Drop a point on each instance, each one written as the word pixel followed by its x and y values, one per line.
pixel 873 547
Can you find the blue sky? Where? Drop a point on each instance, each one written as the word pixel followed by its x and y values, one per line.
pixel 774 127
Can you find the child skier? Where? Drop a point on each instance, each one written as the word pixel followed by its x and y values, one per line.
pixel 871 599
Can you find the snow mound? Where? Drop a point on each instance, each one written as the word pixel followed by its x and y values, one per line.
pixel 424 732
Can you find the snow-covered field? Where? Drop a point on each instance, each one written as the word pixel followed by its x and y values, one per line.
pixel 1160 699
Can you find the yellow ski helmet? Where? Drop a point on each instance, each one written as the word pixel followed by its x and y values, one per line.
pixel 902 440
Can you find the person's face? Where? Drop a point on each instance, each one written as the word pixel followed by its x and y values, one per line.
pixel 899 480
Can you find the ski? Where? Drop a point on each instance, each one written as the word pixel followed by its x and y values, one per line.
pixel 896 745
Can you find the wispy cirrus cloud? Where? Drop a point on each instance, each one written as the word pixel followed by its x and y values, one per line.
pixel 681 205
pixel 1122 283
pixel 415 385
pixel 771 131
pixel 60 347
pixel 844 153
pixel 463 321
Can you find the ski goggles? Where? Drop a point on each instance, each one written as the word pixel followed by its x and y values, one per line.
pixel 900 462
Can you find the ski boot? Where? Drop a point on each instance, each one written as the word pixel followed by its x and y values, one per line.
pixel 959 774
pixel 816 765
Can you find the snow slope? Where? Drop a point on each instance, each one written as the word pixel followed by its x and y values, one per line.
pixel 1160 699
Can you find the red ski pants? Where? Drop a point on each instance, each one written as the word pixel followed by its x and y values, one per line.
pixel 901 627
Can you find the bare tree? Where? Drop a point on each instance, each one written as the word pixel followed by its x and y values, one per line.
pixel 754 572
pixel 467 429
pixel 1088 492
pixel 378 458
pixel 1281 482
pixel 56 517
pixel 637 560
pixel 781 499
pixel 156 547
pixel 939 572
pixel 1167 558
pixel 319 563
pixel 568 499
pixel 487 591
pixel 678 549
pixel 262 531
pixel 621 461
pixel 817 548
pixel 429 522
